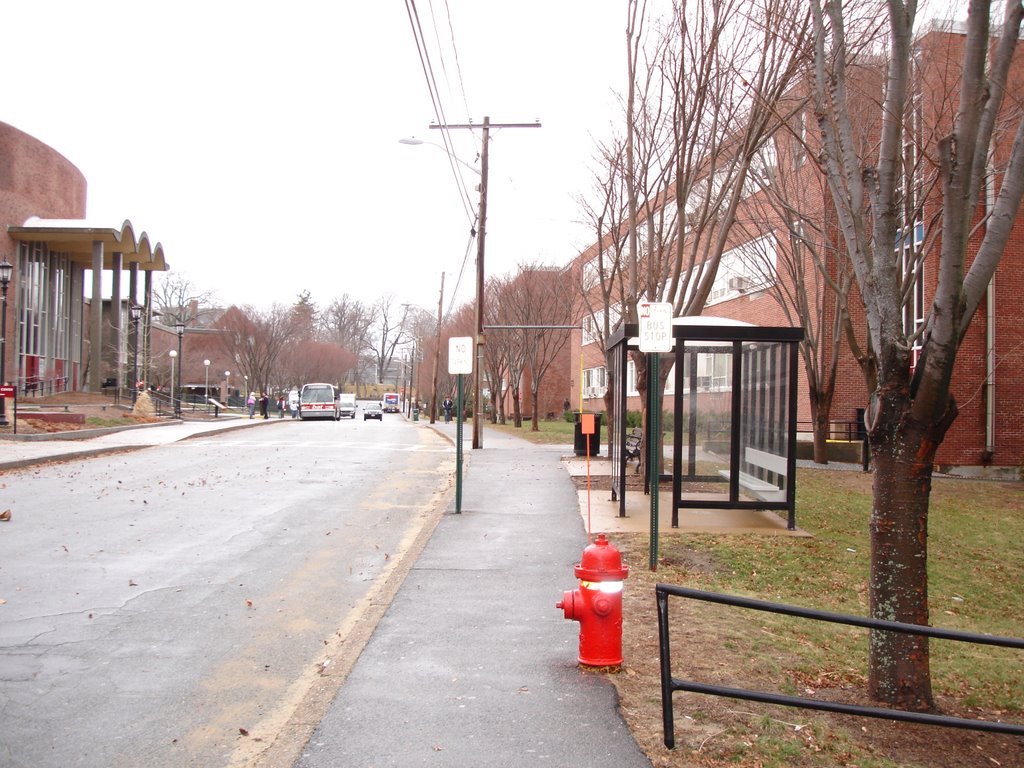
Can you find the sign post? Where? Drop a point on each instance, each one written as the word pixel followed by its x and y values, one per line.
pixel 460 362
pixel 655 338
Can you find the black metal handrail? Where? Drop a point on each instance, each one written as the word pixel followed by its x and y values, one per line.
pixel 671 684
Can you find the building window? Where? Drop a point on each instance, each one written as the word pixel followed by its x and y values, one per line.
pixel 908 248
pixel 594 382
pixel 745 269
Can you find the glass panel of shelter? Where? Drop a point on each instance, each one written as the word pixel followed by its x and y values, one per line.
pixel 719 382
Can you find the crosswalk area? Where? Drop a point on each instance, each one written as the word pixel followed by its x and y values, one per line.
pixel 324 445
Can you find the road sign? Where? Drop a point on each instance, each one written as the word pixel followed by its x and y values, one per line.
pixel 655 326
pixel 460 354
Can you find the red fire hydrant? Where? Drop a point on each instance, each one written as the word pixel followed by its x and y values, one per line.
pixel 597 604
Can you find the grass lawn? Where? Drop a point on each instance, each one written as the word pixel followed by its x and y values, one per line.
pixel 976 564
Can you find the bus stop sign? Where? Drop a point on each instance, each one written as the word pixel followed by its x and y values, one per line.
pixel 655 326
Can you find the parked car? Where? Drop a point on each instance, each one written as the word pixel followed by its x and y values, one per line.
pixel 373 411
pixel 347 405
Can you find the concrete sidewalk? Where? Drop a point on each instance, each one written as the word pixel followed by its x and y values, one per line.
pixel 26 450
pixel 472 664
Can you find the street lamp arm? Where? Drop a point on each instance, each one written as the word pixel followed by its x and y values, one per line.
pixel 412 141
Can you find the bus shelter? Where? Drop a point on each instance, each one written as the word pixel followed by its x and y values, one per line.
pixel 732 393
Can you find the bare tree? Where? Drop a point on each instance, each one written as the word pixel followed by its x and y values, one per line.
pixel 503 352
pixel 177 299
pixel 305 360
pixel 255 340
pixel 545 308
pixel 702 101
pixel 792 257
pixel 912 407
pixel 347 322
pixel 389 333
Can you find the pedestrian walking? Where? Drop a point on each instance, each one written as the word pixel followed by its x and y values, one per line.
pixel 447 406
pixel 280 406
pixel 251 404
pixel 264 405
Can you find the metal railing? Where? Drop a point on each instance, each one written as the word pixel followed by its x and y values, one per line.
pixel 36 386
pixel 850 431
pixel 670 684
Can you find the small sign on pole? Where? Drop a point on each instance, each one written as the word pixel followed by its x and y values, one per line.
pixel 460 354
pixel 655 326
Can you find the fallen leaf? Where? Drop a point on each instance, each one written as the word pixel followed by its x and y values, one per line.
pixel 243 731
pixel 5 515
pixel 248 603
pixel 132 583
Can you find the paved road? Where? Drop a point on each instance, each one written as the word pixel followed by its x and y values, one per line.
pixel 161 601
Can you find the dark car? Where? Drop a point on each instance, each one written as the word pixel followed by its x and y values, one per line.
pixel 373 411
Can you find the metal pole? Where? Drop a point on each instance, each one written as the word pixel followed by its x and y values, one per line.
pixel 174 356
pixel 206 386
pixel 437 356
pixel 654 452
pixel 177 401
pixel 134 313
pixel 3 352
pixel 458 448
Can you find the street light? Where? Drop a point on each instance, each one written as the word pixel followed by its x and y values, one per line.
pixel 206 386
pixel 173 354
pixel 227 388
pixel 6 270
pixel 179 328
pixel 135 312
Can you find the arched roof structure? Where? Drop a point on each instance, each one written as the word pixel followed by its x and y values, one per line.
pixel 76 237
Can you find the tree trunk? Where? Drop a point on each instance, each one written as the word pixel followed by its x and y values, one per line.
pixel 821 412
pixel 535 420
pixel 898 663
pixel 517 409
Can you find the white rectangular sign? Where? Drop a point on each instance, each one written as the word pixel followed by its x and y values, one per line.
pixel 460 354
pixel 655 326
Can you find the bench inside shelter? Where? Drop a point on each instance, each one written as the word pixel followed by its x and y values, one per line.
pixel 763 464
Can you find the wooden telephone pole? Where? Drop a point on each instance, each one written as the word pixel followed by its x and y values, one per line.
pixel 481 229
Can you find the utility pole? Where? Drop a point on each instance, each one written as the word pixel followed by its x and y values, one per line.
pixel 481 229
pixel 437 355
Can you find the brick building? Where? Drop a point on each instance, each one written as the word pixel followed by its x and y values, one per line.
pixel 58 339
pixel 769 263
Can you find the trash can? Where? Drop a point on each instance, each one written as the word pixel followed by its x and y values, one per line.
pixel 586 445
pixel 415 414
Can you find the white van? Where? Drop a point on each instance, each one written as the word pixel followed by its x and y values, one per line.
pixel 347 405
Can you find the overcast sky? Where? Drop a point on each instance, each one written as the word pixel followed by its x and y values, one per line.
pixel 258 141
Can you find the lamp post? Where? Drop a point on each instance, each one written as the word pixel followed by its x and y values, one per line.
pixel 173 354
pixel 6 270
pixel 227 388
pixel 206 385
pixel 135 312
pixel 179 328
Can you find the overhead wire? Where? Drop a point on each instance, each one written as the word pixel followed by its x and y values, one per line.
pixel 435 97
pixel 441 121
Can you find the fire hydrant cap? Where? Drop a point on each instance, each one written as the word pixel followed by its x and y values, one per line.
pixel 601 561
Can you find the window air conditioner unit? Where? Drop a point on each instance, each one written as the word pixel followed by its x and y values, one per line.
pixel 738 284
